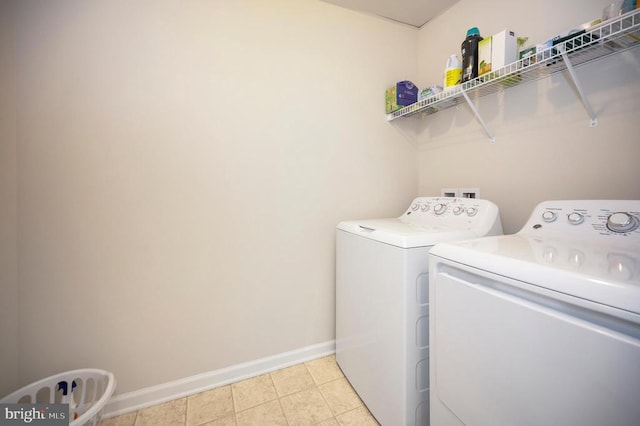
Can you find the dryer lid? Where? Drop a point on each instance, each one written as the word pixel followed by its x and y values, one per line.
pixel 601 273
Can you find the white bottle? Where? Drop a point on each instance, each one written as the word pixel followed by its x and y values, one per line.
pixel 453 72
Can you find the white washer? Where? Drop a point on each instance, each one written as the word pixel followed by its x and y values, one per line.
pixel 541 327
pixel 382 304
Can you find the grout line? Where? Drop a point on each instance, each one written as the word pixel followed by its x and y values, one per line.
pixel 324 398
pixel 278 398
pixel 326 401
pixel 233 400
pixel 186 407
pixel 283 413
pixel 273 383
pixel 186 410
pixel 322 394
pixel 311 374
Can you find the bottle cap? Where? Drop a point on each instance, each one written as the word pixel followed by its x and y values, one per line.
pixel 473 31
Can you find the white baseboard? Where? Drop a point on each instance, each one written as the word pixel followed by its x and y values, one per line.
pixel 146 397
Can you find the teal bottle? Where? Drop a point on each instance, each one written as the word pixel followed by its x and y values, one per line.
pixel 628 5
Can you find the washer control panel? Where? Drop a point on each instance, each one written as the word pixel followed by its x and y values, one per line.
pixel 445 206
pixel 586 218
pixel 452 213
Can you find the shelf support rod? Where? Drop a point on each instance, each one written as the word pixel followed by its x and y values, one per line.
pixel 576 83
pixel 492 138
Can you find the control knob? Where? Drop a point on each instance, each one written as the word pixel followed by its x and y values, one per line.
pixel 472 211
pixel 549 216
pixel 457 210
pixel 622 222
pixel 440 208
pixel 575 218
pixel 415 207
pixel 425 207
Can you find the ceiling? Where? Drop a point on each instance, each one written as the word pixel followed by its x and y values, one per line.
pixel 412 12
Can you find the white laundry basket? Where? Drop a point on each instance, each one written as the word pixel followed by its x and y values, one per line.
pixel 87 392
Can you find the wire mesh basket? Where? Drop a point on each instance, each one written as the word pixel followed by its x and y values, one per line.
pixel 87 391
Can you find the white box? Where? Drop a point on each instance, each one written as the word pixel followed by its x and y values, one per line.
pixel 504 49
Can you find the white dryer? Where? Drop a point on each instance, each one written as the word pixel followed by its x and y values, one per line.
pixel 382 303
pixel 541 327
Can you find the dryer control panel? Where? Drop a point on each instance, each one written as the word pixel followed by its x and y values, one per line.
pixel 586 219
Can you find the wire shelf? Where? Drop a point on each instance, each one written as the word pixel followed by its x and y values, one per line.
pixel 609 37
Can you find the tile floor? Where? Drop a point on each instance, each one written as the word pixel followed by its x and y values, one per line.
pixel 312 393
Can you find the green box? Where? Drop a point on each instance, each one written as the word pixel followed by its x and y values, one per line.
pixel 529 52
pixel 484 55
pixel 391 100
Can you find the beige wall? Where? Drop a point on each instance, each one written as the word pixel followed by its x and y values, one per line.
pixel 9 354
pixel 182 169
pixel 182 166
pixel 544 146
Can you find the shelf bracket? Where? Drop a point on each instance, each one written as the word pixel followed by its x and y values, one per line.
pixel 492 138
pixel 574 78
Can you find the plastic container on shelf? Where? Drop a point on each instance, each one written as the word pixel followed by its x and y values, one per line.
pixel 87 391
pixel 453 72
pixel 469 50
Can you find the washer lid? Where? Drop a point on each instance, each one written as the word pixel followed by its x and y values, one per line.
pixel 402 234
pixel 601 273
